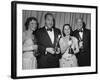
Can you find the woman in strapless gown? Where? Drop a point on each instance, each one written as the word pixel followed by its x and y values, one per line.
pixel 29 45
pixel 69 47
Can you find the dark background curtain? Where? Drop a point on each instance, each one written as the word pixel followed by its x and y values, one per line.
pixel 61 18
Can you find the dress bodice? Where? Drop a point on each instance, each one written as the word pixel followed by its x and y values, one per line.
pixel 66 43
pixel 28 57
pixel 68 58
pixel 29 42
pixel 28 38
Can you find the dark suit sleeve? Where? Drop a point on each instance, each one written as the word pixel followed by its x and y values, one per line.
pixel 75 34
pixel 41 47
pixel 59 33
pixel 89 41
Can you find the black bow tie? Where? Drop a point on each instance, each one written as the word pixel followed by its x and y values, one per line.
pixel 80 30
pixel 49 29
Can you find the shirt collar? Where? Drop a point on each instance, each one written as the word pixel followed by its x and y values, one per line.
pixel 47 28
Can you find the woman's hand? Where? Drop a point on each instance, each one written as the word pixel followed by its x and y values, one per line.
pixel 58 51
pixel 75 46
pixel 80 44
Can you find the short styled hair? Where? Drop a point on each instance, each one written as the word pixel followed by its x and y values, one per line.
pixel 84 24
pixel 48 13
pixel 29 19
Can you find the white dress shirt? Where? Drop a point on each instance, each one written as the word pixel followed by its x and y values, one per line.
pixel 81 34
pixel 51 35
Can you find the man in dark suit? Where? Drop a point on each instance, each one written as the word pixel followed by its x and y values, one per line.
pixel 47 40
pixel 84 38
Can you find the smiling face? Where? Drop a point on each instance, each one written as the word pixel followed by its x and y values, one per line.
pixel 79 24
pixel 32 25
pixel 49 21
pixel 66 30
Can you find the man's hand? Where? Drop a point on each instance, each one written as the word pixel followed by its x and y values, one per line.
pixel 58 51
pixel 50 50
pixel 80 44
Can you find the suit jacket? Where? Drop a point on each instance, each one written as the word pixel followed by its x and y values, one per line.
pixel 43 40
pixel 84 55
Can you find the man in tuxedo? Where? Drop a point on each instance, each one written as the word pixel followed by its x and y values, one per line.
pixel 47 39
pixel 84 39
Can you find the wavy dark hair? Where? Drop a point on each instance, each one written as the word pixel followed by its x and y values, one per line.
pixel 28 21
pixel 69 28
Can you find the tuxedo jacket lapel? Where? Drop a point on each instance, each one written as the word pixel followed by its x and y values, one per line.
pixel 84 35
pixel 48 37
pixel 77 35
